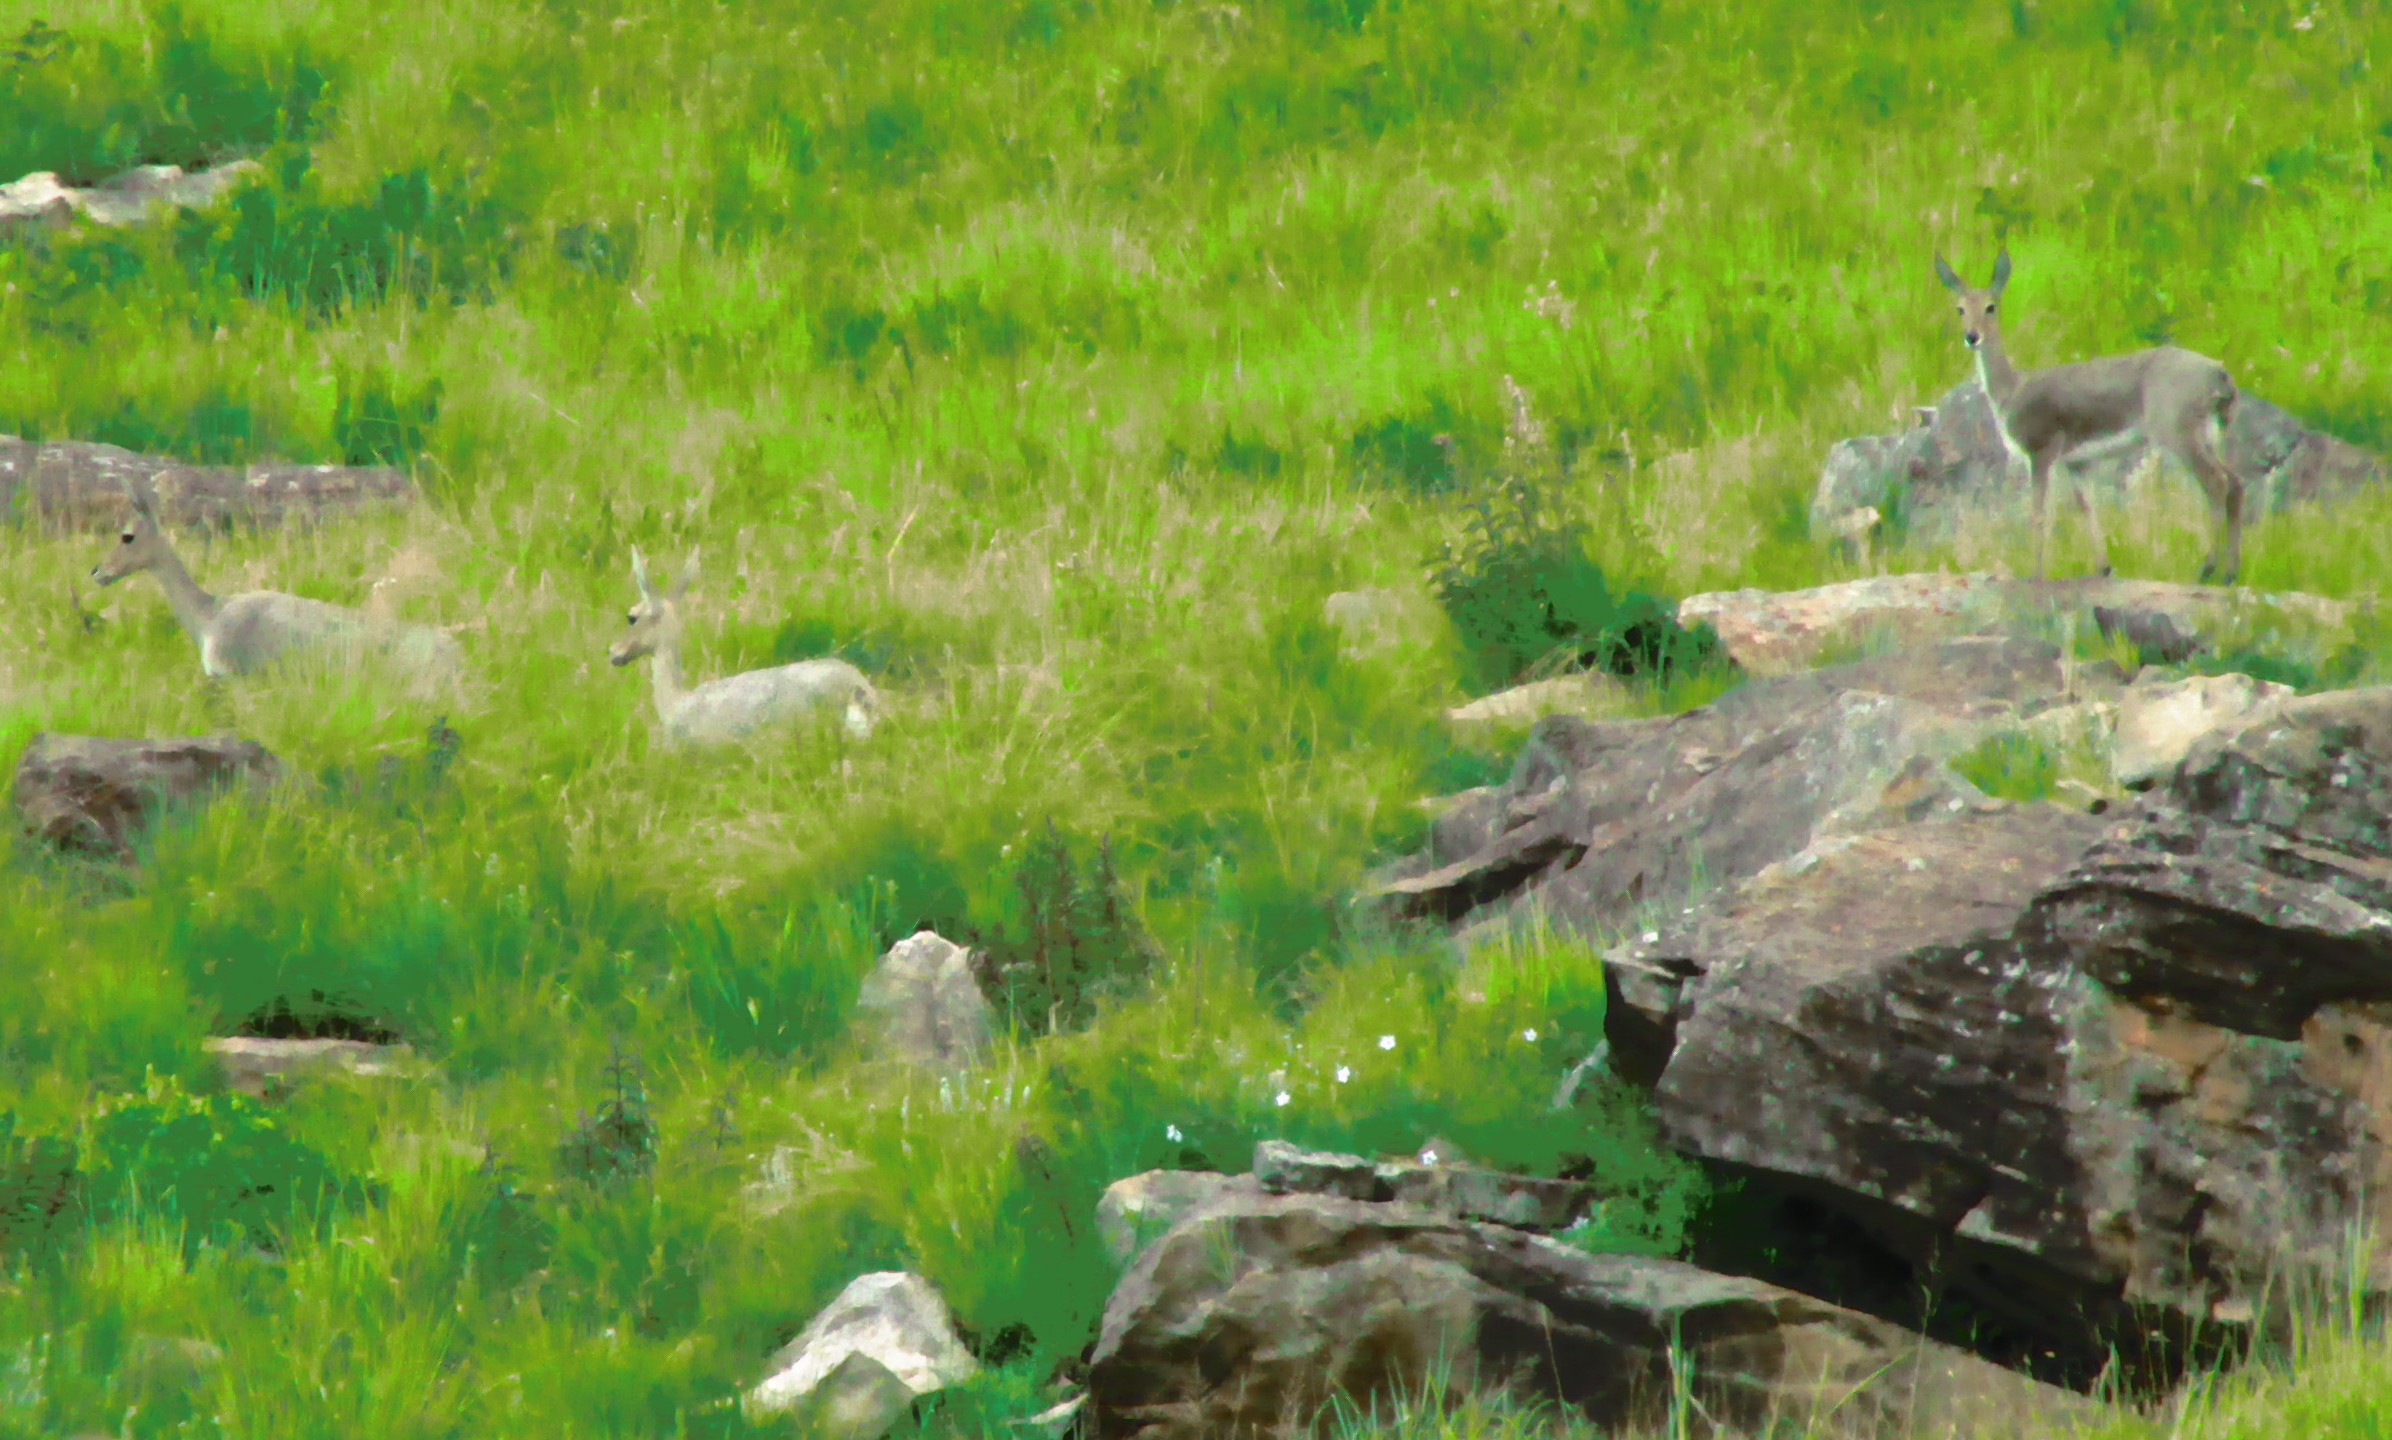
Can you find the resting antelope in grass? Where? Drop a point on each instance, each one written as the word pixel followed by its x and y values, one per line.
pixel 242 634
pixel 2176 399
pixel 735 706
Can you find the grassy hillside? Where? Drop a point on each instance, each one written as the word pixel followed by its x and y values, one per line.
pixel 1054 359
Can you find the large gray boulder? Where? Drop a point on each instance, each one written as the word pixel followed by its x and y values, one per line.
pixel 1258 1310
pixel 1950 471
pixel 95 795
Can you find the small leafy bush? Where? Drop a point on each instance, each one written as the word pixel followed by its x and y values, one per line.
pixel 220 1164
pixel 1525 595
pixel 1072 944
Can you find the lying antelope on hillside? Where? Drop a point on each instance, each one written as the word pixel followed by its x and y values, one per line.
pixel 735 706
pixel 2178 400
pixel 241 634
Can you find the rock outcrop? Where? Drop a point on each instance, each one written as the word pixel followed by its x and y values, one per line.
pixel 94 795
pixel 2111 1081
pixel 1257 1311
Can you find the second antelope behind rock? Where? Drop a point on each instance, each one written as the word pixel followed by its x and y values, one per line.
pixel 736 706
pixel 242 634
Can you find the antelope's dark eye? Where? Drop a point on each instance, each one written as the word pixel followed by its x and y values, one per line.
pixel 127 537
pixel 632 619
pixel 1989 307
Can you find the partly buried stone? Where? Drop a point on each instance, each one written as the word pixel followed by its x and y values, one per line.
pixel 270 1069
pixel 922 1004
pixel 97 795
pixel 2159 720
pixel 2114 1082
pixel 888 1323
pixel 1258 1311
pixel 1134 1211
pixel 82 485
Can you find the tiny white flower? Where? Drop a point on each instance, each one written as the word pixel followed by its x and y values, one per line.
pixel 1529 1035
pixel 1428 1157
pixel 1386 1042
pixel 1344 1073
pixel 1171 1133
pixel 1280 1099
pixel 1652 937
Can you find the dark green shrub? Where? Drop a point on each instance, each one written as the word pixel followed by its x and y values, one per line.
pixel 617 1142
pixel 39 1186
pixel 1524 594
pixel 221 1165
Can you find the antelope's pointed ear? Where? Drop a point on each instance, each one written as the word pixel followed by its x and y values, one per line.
pixel 639 573
pixel 2001 270
pixel 1945 273
pixel 689 573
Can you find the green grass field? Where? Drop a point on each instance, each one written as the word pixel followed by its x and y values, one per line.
pixel 1054 359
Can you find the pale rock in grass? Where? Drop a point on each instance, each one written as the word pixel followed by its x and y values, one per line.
pixel 890 1318
pixel 269 1068
pixel 923 1006
pixel 123 199
pixel 1586 693
pixel 2159 721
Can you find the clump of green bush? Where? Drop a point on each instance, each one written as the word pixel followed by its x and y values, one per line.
pixel 1526 596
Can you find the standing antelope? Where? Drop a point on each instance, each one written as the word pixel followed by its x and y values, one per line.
pixel 241 634
pixel 2178 400
pixel 735 706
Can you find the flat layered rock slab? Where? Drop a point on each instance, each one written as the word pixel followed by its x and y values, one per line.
pixel 1775 632
pixel 1605 821
pixel 83 486
pixel 1257 1311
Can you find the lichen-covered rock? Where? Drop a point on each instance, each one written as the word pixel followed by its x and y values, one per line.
pixel 97 795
